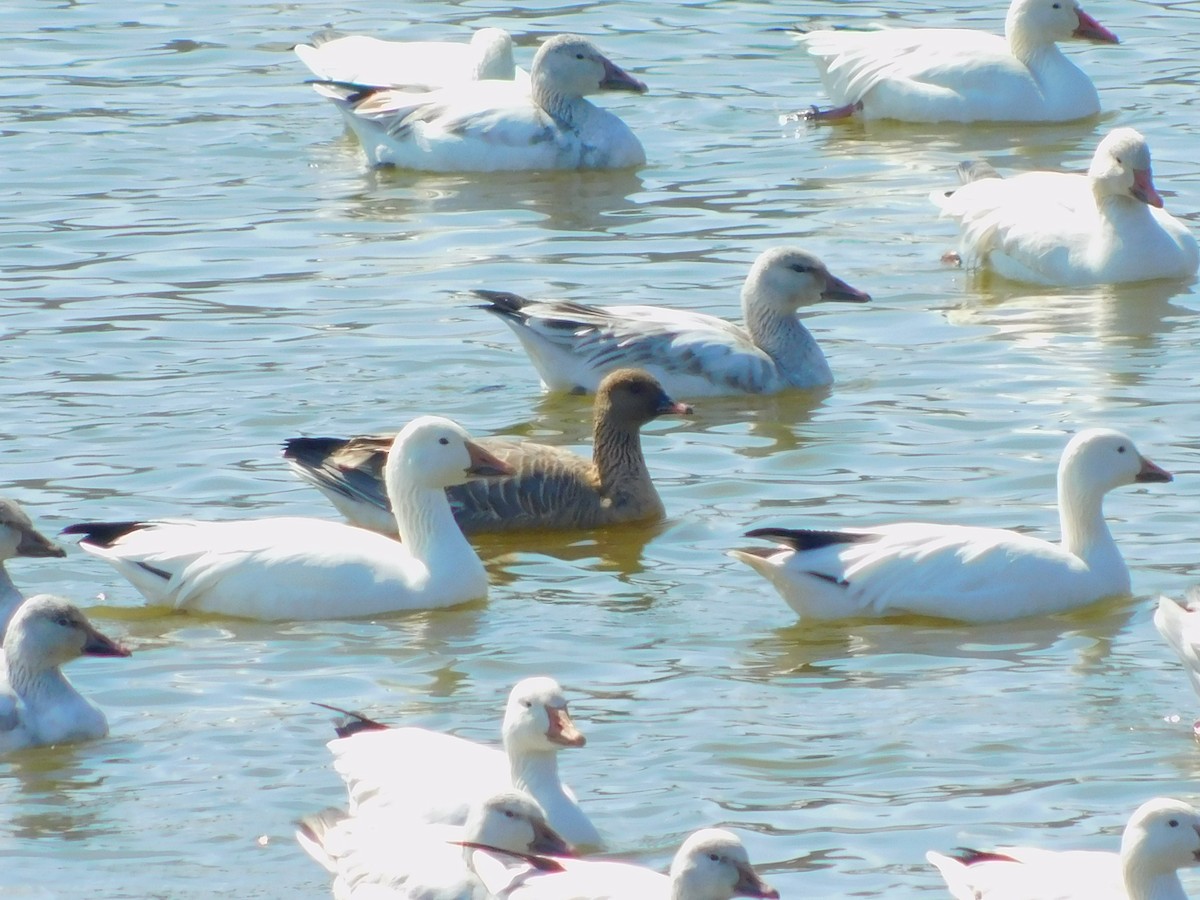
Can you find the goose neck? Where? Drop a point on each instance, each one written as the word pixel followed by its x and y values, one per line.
pixel 424 520
pixel 562 109
pixel 1085 534
pixel 617 454
pixel 10 599
pixel 1146 883
pixel 785 339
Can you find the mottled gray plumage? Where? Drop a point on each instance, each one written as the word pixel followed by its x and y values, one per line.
pixel 551 487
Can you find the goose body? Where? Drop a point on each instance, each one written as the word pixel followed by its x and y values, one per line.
pixel 489 126
pixel 411 65
pixel 961 75
pixel 549 487
pixel 377 857
pixel 299 568
pixel 1163 836
pixel 712 864
pixel 18 538
pixel 1180 627
pixel 1107 226
pixel 970 574
pixel 435 777
pixel 573 346
pixel 38 704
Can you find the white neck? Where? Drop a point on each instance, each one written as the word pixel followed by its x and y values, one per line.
pixel 429 533
pixel 788 342
pixel 566 111
pixel 536 772
pixel 10 599
pixel 1145 885
pixel 1035 54
pixel 1085 534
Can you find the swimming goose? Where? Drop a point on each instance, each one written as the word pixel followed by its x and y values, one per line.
pixel 550 487
pixel 490 126
pixel 1180 627
pixel 298 568
pixel 18 537
pixel 711 864
pixel 410 65
pixel 417 773
pixel 1053 228
pixel 961 75
pixel 573 346
pixel 1163 836
pixel 38 705
pixel 377 856
pixel 966 573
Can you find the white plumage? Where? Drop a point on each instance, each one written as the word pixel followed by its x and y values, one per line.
pixel 299 568
pixel 1107 226
pixel 1163 836
pixel 966 573
pixel 489 126
pixel 960 75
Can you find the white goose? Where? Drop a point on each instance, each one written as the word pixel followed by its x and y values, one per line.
pixel 38 705
pixel 379 857
pixel 966 573
pixel 711 864
pixel 299 568
pixel 1163 836
pixel 411 65
pixel 417 773
pixel 961 75
pixel 573 346
pixel 18 537
pixel 489 126
pixel 550 487
pixel 1180 627
pixel 1107 226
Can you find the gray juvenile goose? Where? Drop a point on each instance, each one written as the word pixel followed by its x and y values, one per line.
pixel 18 537
pixel 551 487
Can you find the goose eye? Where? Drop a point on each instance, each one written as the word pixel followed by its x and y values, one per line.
pixel 1057 6
pixel 1174 823
pixel 800 267
pixel 579 56
pixel 63 621
pixel 1121 449
pixel 443 441
pixel 528 704
pixel 510 814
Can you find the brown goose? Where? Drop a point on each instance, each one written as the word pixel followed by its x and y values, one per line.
pixel 551 487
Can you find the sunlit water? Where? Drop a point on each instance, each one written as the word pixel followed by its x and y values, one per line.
pixel 198 265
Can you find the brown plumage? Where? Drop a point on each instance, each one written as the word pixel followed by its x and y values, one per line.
pixel 551 487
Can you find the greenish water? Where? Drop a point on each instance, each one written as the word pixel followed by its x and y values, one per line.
pixel 198 266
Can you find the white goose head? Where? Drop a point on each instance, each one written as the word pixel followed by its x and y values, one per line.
pixel 18 537
pixel 1099 459
pixel 571 66
pixel 1038 23
pixel 1162 835
pixel 536 718
pixel 433 452
pixel 47 632
pixel 1121 168
pixel 712 864
pixel 512 821
pixel 784 278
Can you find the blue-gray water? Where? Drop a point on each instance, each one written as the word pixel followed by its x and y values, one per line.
pixel 198 265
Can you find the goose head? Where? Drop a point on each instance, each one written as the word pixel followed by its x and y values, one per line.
pixel 1121 168
pixel 512 821
pixel 18 537
pixel 434 452
pixel 493 52
pixel 47 632
pixel 1099 459
pixel 1162 835
pixel 568 65
pixel 784 278
pixel 712 864
pixel 536 718
pixel 1038 23
pixel 634 397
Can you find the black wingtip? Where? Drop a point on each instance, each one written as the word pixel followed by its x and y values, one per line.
pixel 310 450
pixel 501 302
pixel 102 534
pixel 353 723
pixel 809 539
